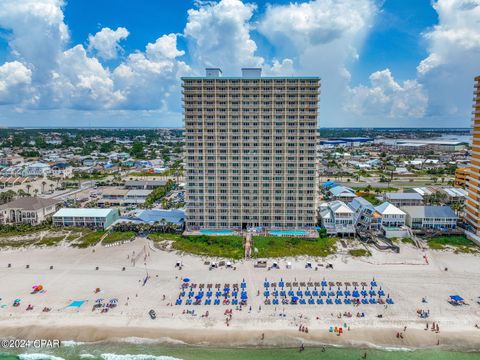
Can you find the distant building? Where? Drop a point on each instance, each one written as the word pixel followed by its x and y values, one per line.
pixel 342 193
pixel 36 170
pixel 404 199
pixel 85 217
pixel 430 217
pixel 144 184
pixel 337 218
pixel 27 210
pixel 62 171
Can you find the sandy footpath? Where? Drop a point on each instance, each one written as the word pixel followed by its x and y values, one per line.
pixel 405 276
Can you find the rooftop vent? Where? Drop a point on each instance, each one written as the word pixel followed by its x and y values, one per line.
pixel 213 72
pixel 251 72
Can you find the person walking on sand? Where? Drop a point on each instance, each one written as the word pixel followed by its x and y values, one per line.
pixel 302 347
pixel 263 336
pixel 364 355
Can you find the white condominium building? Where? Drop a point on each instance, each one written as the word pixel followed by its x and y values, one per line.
pixel 250 150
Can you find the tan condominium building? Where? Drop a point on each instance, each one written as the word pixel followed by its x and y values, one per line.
pixel 472 206
pixel 250 150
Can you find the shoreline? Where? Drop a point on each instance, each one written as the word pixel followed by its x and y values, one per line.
pixel 359 338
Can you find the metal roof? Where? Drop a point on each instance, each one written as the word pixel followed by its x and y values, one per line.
pixel 389 209
pixel 429 211
pixel 84 212
pixel 404 196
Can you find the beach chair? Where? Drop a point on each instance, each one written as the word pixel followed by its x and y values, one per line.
pixel 275 301
pixel 216 302
pixel 178 302
pixel 208 301
pixel 338 301
pixel 311 302
pixel 302 301
pixel 339 293
pixel 315 293
pixel 364 301
pixel 347 301
pixel 319 302
pixel 283 293
pixel 188 302
pixel 308 293
pixel 323 293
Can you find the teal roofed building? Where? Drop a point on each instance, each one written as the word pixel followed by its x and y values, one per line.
pixel 86 217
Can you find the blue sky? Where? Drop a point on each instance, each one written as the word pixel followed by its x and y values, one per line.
pixel 388 63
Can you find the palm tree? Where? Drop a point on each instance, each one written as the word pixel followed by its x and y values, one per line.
pixel 43 186
pixel 35 191
pixel 28 188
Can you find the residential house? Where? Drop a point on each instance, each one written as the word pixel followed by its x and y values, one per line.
pixel 430 217
pixel 27 210
pixel 342 193
pixel 404 199
pixel 337 218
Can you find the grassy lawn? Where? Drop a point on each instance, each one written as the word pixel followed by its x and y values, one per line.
pixel 115 236
pixel 460 242
pixel 372 199
pixel 89 238
pixel 277 246
pixel 359 252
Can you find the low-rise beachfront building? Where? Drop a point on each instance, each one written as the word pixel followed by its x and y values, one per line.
pixel 342 193
pixel 86 217
pixel 159 217
pixel 430 217
pixel 337 218
pixel 365 215
pixel 27 210
pixel 392 216
pixel 401 199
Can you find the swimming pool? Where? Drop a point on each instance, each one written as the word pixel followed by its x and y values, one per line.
pixel 288 232
pixel 217 232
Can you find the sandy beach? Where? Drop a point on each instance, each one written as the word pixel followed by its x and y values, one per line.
pixel 406 277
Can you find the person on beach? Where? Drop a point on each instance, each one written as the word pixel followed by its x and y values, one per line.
pixel 263 336
pixel 364 355
pixel 302 347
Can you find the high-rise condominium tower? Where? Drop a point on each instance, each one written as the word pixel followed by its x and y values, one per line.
pixel 472 206
pixel 250 150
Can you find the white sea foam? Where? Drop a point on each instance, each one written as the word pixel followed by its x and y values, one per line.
pixel 39 357
pixel 69 343
pixel 87 356
pixel 136 357
pixel 148 341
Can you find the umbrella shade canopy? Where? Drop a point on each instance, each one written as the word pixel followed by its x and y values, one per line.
pixel 113 301
pixel 98 301
pixel 294 298
pixel 186 280
pixel 17 300
pixel 456 298
pixel 199 296
pixel 244 297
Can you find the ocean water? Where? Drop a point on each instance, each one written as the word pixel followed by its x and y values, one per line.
pixel 149 351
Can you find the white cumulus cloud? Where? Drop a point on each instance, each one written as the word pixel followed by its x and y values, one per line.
pixel 15 79
pixel 385 97
pixel 448 71
pixel 218 34
pixel 106 42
